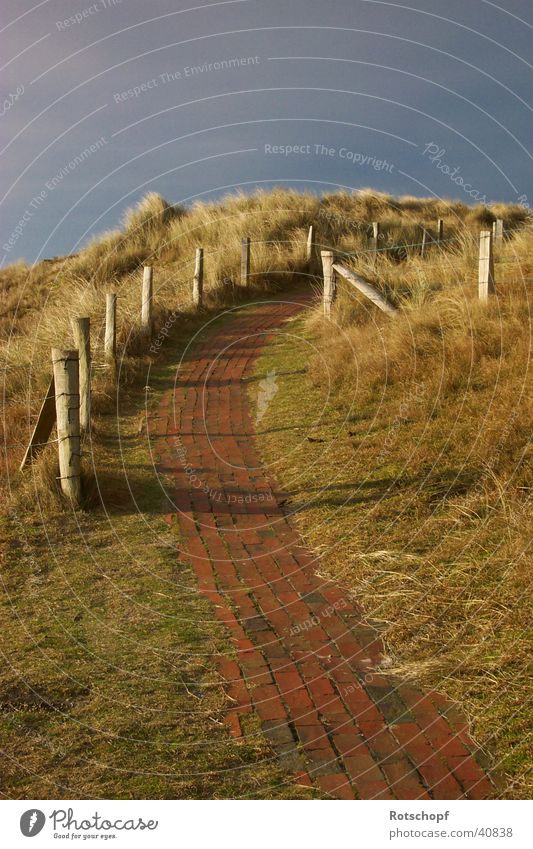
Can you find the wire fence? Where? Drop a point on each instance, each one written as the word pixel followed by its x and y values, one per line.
pixel 429 244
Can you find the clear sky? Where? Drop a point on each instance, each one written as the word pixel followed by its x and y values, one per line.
pixel 107 100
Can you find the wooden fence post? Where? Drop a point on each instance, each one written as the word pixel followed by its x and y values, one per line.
pixel 198 281
pixel 81 331
pixel 67 396
pixel 310 244
pixel 245 261
pixel 110 339
pixel 440 230
pixel 486 265
pixel 328 258
pixel 147 296
pixel 497 231
pixel 423 240
pixel 376 232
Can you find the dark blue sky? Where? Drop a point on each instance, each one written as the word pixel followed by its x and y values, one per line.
pixel 421 97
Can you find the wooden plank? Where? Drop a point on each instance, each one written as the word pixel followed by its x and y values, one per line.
pixel 43 427
pixel 366 288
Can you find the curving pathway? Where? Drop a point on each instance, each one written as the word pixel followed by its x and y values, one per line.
pixel 305 656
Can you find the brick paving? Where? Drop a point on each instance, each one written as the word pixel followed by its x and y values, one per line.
pixel 333 720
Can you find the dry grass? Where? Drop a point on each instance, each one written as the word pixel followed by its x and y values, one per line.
pixel 108 686
pixel 40 301
pixel 427 455
pixel 418 491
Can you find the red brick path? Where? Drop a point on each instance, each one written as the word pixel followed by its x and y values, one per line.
pixel 305 657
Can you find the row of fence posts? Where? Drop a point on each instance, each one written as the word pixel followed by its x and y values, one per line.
pixel 424 236
pixel 72 368
pixel 426 239
pixel 377 236
pixel 72 386
pixel 198 277
pixel 488 240
pixel 486 279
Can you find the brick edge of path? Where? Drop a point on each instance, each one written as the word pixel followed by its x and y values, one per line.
pixel 306 658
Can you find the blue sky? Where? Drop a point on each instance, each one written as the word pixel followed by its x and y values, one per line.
pixel 105 101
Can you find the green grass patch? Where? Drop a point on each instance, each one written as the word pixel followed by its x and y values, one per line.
pixel 108 687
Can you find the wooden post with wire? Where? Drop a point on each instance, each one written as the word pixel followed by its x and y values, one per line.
pixel 328 258
pixel 376 233
pixel 309 250
pixel 110 339
pixel 440 230
pixel 245 261
pixel 147 301
pixel 497 231
pixel 423 240
pixel 67 398
pixel 198 280
pixel 81 331
pixel 486 265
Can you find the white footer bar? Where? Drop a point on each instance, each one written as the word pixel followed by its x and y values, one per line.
pixel 266 825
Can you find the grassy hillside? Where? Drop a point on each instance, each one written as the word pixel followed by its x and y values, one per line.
pixel 404 445
pixel 424 425
pixel 109 686
pixel 40 301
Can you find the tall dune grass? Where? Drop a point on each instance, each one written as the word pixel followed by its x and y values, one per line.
pixel 446 381
pixel 41 300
